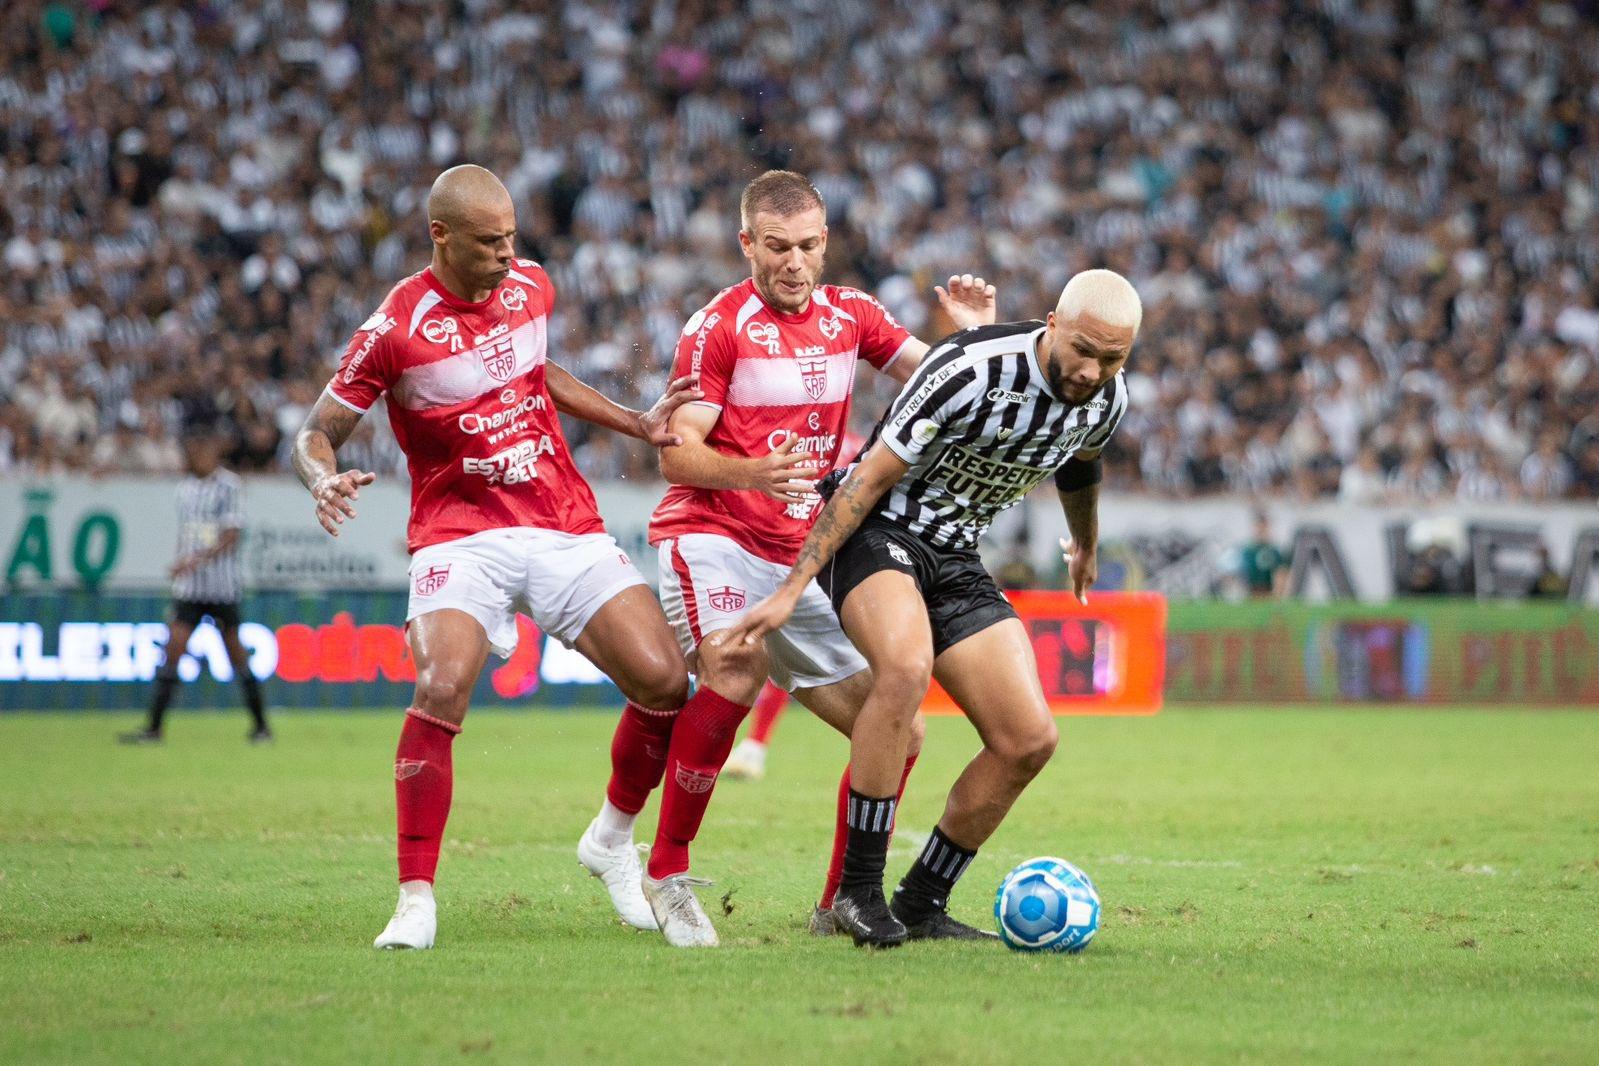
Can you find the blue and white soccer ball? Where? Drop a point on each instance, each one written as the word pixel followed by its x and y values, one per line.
pixel 1047 905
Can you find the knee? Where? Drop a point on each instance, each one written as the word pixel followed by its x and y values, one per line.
pixel 733 670
pixel 1028 752
pixel 443 695
pixel 904 678
pixel 659 682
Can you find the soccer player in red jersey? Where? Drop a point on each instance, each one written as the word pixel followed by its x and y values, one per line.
pixel 775 357
pixel 500 521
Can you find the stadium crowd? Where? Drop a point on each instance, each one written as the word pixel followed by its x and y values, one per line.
pixel 1366 231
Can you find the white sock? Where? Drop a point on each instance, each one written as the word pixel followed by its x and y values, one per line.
pixel 614 827
pixel 416 888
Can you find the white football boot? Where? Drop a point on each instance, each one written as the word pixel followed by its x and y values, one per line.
pixel 619 871
pixel 415 921
pixel 747 762
pixel 683 921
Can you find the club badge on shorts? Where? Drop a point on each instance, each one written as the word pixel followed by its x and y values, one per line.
pixel 432 579
pixel 726 598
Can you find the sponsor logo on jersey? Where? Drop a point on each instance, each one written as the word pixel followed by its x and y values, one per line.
pixel 764 334
pixel 513 297
pixel 831 327
pixel 1006 396
pixel 899 555
pixel 814 420
pixel 515 465
pixel 445 331
pixel 507 396
pixel 726 598
pixel 473 423
pixel 812 444
pixel 694 321
pixel 924 430
pixel 813 373
pixel 802 509
pixel 1097 404
pixel 499 359
pixel 698 355
pixel 404 768
pixel 374 332
pixel 432 579
pixel 497 331
pixel 693 781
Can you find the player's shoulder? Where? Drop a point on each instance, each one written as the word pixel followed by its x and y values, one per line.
pixel 531 271
pixel 724 310
pixel 996 338
pixel 841 296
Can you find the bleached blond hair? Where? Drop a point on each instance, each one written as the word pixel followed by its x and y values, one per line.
pixel 1101 294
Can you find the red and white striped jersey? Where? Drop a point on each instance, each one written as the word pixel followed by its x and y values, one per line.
pixel 769 375
pixel 469 406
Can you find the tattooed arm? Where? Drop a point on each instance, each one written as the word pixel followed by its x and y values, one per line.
pixel 852 501
pixel 328 426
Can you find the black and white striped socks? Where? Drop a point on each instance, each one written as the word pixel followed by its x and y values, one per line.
pixel 932 878
pixel 871 826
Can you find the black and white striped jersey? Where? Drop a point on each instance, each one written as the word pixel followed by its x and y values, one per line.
pixel 981 429
pixel 207 506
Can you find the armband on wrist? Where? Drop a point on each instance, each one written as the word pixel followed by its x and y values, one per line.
pixel 1079 474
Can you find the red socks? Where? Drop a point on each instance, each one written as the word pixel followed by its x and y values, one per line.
pixel 835 865
pixel 769 707
pixel 638 756
pixel 702 738
pixel 423 780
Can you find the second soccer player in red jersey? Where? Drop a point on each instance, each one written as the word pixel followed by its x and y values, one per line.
pixel 775 357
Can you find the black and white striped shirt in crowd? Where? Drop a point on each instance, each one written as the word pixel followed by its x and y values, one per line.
pixel 981 429
pixel 207 506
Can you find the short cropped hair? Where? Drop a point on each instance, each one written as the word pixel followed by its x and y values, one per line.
pixel 1103 294
pixel 782 192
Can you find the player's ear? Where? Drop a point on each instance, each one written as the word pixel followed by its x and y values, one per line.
pixel 746 243
pixel 438 230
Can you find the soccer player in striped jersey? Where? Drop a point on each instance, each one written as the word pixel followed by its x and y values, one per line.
pixel 990 414
pixel 206 582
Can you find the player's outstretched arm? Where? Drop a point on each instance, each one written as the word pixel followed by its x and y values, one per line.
pixel 969 301
pixel 852 501
pixel 779 474
pixel 1078 484
pixel 326 428
pixel 574 398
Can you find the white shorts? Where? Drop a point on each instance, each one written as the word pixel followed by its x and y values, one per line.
pixel 708 582
pixel 560 579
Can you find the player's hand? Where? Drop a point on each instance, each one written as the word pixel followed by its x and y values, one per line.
pixel 183 566
pixel 653 423
pixel 1082 566
pixel 780 473
pixel 969 301
pixel 335 494
pixel 765 617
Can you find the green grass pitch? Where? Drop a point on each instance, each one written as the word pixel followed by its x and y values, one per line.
pixel 1351 885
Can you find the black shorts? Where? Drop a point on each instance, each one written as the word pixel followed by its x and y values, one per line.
pixel 961 597
pixel 191 612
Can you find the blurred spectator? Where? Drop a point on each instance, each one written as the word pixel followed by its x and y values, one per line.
pixel 1360 228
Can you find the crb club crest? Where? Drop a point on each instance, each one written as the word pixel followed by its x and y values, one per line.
pixel 813 373
pixel 513 297
pixel 404 768
pixel 693 781
pixel 764 334
pixel 499 359
pixel 830 327
pixel 727 598
pixel 432 579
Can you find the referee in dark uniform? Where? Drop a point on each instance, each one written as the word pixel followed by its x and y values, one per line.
pixel 990 414
pixel 206 582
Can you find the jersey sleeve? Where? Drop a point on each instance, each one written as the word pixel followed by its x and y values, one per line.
pixel 366 371
pixel 230 509
pixel 542 279
pixel 706 348
pixel 882 338
pixel 1100 435
pixel 936 399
